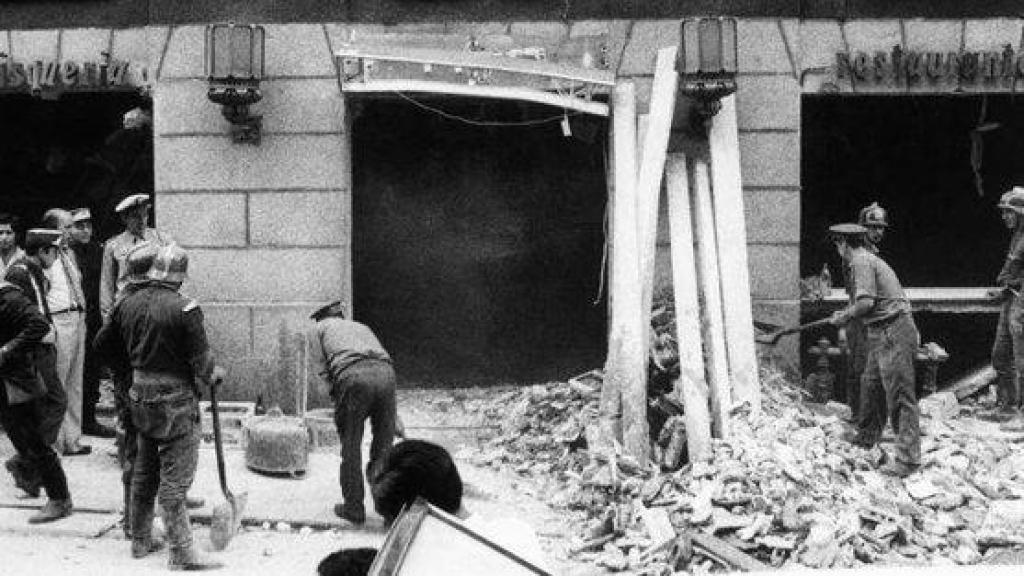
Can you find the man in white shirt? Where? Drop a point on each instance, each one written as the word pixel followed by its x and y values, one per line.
pixel 67 308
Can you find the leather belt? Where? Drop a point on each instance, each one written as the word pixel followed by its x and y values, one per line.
pixel 67 310
pixel 886 322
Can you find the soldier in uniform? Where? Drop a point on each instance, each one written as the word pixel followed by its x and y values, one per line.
pixel 864 404
pixel 165 340
pixel 892 341
pixel 22 327
pixel 140 259
pixel 134 212
pixel 1008 348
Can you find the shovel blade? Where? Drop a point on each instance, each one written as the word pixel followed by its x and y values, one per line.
pixel 227 520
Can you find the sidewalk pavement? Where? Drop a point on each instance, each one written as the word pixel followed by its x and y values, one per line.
pixel 95 485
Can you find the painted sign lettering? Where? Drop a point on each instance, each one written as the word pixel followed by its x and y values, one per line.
pixel 903 66
pixel 41 76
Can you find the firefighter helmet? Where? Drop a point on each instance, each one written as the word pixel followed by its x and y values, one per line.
pixel 873 215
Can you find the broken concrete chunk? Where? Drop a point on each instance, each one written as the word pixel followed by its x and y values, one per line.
pixel 920 488
pixel 939 406
pixel 965 555
pixel 820 548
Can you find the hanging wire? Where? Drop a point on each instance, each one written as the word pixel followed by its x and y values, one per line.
pixel 602 273
pixel 473 122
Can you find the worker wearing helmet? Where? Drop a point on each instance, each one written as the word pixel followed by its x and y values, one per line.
pixel 876 220
pixel 1008 349
pixel 864 404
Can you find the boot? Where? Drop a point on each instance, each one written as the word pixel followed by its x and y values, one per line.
pixel 51 511
pixel 145 546
pixel 179 536
pixel 24 477
pixel 187 559
pixel 126 514
pixel 141 521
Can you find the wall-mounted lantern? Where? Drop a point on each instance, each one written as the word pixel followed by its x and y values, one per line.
pixel 707 62
pixel 234 68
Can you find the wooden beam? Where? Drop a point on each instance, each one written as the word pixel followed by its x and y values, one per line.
pixel 715 358
pixel 731 231
pixel 652 168
pixel 692 388
pixel 625 383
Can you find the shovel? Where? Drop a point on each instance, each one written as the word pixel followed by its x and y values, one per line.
pixel 773 337
pixel 227 517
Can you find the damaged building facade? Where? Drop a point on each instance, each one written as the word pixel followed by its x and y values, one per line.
pixel 469 230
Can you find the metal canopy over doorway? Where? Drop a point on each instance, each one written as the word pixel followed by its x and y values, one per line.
pixel 383 69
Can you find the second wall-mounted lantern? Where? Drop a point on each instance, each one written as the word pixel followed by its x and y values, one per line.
pixel 234 67
pixel 708 62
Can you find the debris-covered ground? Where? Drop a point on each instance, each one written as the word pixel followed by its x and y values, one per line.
pixel 784 490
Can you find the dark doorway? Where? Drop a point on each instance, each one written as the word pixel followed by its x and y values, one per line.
pixel 913 155
pixel 477 244
pixel 72 152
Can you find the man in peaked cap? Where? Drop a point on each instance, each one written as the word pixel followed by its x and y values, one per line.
pixel 22 327
pixel 362 385
pixel 165 340
pixel 134 213
pixel 892 341
pixel 89 256
pixel 27 274
pixel 1008 348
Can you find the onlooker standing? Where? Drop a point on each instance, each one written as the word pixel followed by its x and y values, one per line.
pixel 67 308
pixel 9 251
pixel 362 382
pixel 165 340
pixel 21 328
pixel 89 256
pixel 134 213
pixel 27 274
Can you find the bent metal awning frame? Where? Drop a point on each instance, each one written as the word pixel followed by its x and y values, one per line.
pixel 380 69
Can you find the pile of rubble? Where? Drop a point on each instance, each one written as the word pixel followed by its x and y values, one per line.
pixel 783 490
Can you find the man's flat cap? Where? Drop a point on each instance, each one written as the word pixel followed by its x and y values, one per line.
pixel 81 215
pixel 847 229
pixel 41 238
pixel 131 201
pixel 336 308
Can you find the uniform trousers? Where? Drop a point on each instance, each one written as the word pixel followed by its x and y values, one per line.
pixel 166 415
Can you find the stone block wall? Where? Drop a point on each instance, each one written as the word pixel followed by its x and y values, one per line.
pixel 267 226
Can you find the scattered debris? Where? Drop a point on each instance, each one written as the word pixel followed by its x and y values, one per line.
pixel 785 490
